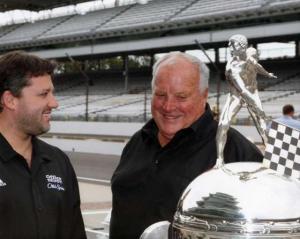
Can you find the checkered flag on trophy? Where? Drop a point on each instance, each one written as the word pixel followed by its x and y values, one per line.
pixel 282 152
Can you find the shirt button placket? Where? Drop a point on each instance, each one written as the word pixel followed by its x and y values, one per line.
pixel 36 195
pixel 37 204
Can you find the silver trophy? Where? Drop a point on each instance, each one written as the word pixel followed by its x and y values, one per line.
pixel 250 202
pixel 246 199
pixel 241 72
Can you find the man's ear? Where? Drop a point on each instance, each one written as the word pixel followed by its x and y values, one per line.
pixel 8 100
pixel 206 93
pixel 204 97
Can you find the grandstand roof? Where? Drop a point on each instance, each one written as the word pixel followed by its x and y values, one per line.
pixel 34 5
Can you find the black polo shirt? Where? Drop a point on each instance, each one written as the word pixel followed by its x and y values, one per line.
pixel 41 202
pixel 150 179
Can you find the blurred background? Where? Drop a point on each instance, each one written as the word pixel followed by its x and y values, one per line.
pixel 105 52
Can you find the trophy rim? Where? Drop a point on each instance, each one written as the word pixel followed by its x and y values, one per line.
pixel 211 215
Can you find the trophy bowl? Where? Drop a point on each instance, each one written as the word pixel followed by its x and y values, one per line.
pixel 243 200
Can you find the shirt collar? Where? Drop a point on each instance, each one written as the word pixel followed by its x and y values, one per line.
pixel 39 149
pixel 150 130
pixel 7 152
pixel 204 120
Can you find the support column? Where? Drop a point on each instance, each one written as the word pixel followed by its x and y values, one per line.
pixel 125 71
pixel 217 56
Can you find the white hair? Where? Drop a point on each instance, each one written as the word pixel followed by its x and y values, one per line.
pixel 203 69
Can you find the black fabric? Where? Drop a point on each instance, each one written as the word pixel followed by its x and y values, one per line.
pixel 150 179
pixel 41 202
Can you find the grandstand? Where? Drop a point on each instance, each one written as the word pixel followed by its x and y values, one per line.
pixel 157 18
pixel 109 101
pixel 123 94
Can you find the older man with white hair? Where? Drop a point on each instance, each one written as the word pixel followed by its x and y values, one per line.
pixel 171 150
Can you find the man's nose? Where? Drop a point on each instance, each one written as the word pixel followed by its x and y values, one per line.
pixel 169 104
pixel 53 102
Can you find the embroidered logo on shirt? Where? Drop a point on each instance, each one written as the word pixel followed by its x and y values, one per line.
pixel 54 182
pixel 2 184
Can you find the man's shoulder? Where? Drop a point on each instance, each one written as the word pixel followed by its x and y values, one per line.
pixel 239 148
pixel 235 133
pixel 135 138
pixel 147 130
pixel 48 149
pixel 288 121
pixel 53 154
pixel 44 145
pixel 295 124
pixel 238 139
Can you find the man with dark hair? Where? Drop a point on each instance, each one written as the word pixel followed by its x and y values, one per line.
pixel 171 150
pixel 39 195
pixel 288 110
pixel 287 117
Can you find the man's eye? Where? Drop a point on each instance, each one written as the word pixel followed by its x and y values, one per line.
pixel 182 97
pixel 44 94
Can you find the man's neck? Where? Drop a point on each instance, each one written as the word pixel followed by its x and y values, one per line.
pixel 163 140
pixel 288 116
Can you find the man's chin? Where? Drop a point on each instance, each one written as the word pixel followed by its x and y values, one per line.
pixel 42 130
pixel 170 132
pixel 46 129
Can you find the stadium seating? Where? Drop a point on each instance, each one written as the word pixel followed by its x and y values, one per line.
pixel 83 24
pixel 108 95
pixel 124 20
pixel 153 12
pixel 31 31
pixel 108 99
pixel 208 8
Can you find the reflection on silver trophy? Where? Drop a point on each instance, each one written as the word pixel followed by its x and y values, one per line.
pixel 246 199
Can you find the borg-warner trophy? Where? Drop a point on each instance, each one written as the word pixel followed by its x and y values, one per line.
pixel 247 199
